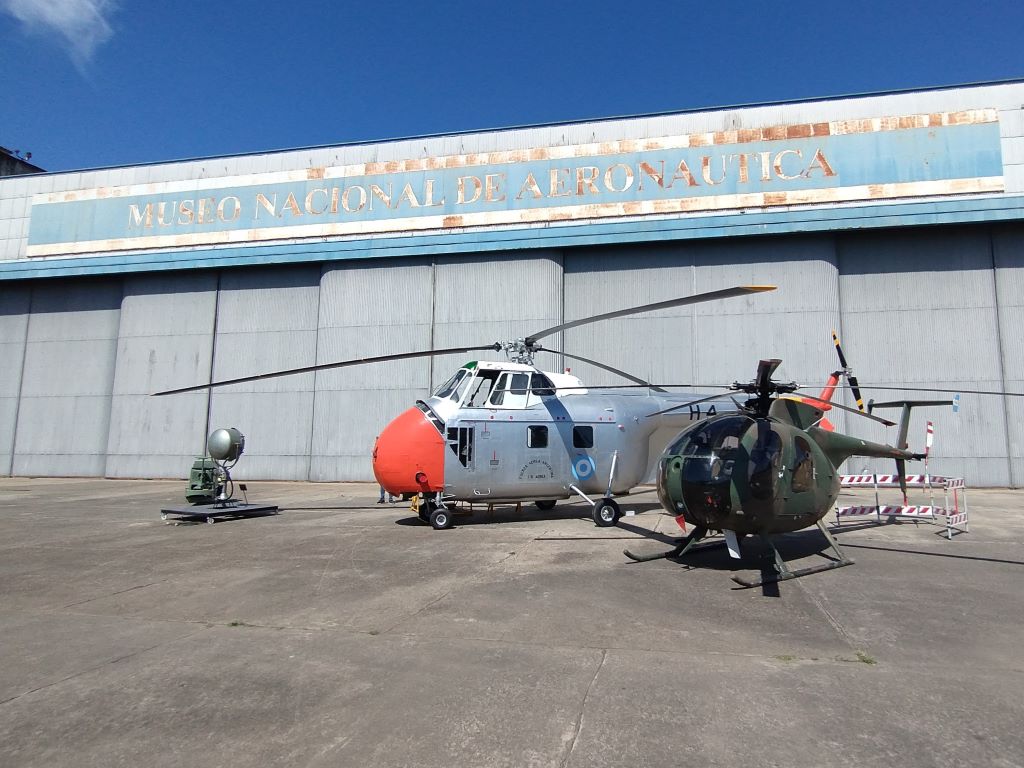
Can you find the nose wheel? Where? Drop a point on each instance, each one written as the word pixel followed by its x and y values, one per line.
pixel 439 516
pixel 440 519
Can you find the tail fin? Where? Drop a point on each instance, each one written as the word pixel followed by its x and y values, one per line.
pixel 826 395
pixel 907 406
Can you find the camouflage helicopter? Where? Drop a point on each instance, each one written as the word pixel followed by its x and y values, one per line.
pixel 500 432
pixel 768 468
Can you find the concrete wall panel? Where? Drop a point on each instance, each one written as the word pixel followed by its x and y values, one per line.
pixel 792 323
pixel 15 303
pixel 68 375
pixel 1008 255
pixel 348 422
pixel 367 310
pixel 267 321
pixel 500 298
pixel 165 341
pixel 921 309
pixel 656 347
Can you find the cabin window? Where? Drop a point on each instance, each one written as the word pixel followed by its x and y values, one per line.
pixel 537 437
pixel 803 467
pixel 460 440
pixel 582 437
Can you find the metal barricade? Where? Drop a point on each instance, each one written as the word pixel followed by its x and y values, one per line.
pixel 955 517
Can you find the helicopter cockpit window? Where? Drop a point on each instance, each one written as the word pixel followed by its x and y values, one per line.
pixel 460 388
pixel 803 466
pixel 481 388
pixel 449 386
pixel 541 385
pixel 511 390
pixel 706 437
pixel 710 451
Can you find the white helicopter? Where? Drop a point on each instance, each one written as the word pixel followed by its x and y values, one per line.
pixel 510 432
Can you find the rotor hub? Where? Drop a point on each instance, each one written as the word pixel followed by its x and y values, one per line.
pixel 520 350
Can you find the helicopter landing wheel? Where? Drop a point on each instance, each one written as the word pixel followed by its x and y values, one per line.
pixel 545 504
pixel 606 513
pixel 441 518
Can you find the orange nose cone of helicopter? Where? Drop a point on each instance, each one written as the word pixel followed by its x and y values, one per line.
pixel 409 455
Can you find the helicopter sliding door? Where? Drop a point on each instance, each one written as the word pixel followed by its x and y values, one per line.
pixel 460 457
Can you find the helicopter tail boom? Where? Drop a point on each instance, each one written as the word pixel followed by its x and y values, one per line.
pixel 839 447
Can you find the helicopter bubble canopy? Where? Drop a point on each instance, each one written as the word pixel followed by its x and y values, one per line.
pixel 707 438
pixel 697 467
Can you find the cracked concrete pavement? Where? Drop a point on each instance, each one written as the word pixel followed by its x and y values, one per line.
pixel 342 632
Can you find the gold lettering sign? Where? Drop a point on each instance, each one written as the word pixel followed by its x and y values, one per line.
pixel 690 173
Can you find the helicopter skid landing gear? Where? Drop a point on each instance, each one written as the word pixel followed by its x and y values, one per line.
pixel 681 548
pixel 782 571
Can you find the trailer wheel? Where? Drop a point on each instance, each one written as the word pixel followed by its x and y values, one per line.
pixel 606 513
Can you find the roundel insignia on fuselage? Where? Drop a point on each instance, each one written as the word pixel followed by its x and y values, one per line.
pixel 583 467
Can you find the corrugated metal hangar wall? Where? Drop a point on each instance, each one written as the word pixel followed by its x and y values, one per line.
pixel 933 300
pixel 940 308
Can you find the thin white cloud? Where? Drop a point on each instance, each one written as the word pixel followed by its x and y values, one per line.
pixel 82 24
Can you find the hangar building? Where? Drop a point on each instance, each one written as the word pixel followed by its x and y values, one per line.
pixel 897 219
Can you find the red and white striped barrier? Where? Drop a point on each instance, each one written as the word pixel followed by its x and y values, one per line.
pixel 955 516
pixel 893 481
pixel 890 510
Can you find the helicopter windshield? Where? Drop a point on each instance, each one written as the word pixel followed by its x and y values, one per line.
pixel 710 450
pixel 706 437
pixel 449 386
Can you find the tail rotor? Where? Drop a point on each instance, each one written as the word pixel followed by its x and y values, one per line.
pixel 848 373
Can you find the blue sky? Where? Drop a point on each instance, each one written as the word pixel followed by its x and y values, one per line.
pixel 93 83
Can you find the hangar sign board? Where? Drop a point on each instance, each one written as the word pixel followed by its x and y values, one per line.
pixel 847 161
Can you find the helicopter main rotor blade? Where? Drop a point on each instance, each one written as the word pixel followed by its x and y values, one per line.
pixel 941 391
pixel 610 369
pixel 765 369
pixel 726 293
pixel 831 404
pixel 327 366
